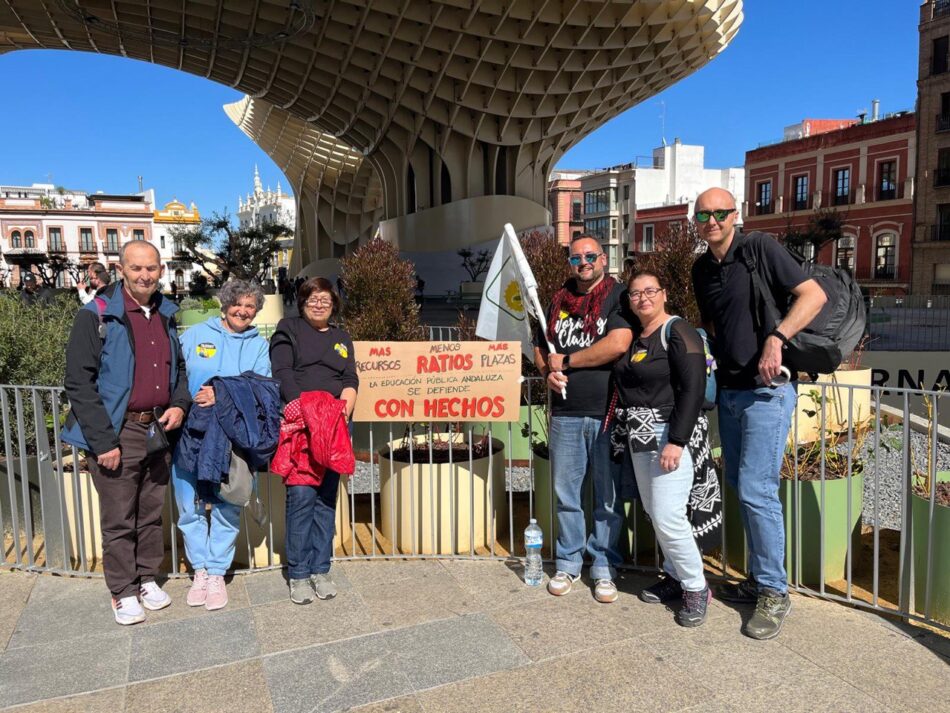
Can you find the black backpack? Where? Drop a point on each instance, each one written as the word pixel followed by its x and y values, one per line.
pixel 832 335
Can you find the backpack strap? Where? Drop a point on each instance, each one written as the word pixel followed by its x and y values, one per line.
pixel 666 330
pixel 100 308
pixel 763 304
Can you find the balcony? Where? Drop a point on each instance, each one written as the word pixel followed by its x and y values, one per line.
pixel 841 198
pixel 800 204
pixel 941 8
pixel 88 249
pixel 766 209
pixel 887 194
pixel 111 248
pixel 885 273
pixel 943 122
pixel 57 248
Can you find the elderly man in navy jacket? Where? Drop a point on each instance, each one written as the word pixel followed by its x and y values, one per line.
pixel 125 379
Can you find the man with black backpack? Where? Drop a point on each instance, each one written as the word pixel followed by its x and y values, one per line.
pixel 757 393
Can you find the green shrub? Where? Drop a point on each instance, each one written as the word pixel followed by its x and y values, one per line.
pixel 210 303
pixel 380 292
pixel 33 340
pixel 190 303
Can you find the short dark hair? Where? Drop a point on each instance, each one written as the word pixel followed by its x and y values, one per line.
pixel 100 271
pixel 584 236
pixel 316 284
pixel 644 273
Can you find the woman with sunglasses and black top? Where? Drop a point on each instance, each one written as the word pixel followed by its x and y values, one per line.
pixel 661 393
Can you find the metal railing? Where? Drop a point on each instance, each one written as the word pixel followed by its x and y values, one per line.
pixel 863 522
pixel 911 323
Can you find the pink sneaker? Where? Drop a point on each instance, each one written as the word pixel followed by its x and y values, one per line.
pixel 199 589
pixel 217 594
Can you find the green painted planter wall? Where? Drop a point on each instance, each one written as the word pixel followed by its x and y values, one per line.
pixel 543 494
pixel 519 444
pixel 838 530
pixel 940 573
pixel 191 317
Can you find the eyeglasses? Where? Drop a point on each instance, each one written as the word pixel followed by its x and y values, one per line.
pixel 319 302
pixel 720 215
pixel 650 292
pixel 590 258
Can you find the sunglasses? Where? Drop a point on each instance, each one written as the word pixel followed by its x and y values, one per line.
pixel 590 258
pixel 703 216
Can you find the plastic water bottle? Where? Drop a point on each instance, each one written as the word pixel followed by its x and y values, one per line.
pixel 533 538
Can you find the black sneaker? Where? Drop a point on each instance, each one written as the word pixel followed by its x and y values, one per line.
pixel 695 606
pixel 770 612
pixel 666 590
pixel 744 592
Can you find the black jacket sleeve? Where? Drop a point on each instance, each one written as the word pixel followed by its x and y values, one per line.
pixel 688 377
pixel 182 396
pixel 82 370
pixel 282 360
pixel 350 378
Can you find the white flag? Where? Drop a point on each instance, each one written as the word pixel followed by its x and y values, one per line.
pixel 507 298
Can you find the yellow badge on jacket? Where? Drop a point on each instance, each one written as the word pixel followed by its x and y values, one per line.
pixel 206 350
pixel 639 356
pixel 341 350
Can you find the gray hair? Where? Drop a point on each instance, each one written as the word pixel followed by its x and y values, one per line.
pixel 234 289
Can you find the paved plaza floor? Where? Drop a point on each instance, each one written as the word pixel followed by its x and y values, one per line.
pixel 427 635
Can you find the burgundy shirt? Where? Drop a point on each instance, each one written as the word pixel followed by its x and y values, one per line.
pixel 153 357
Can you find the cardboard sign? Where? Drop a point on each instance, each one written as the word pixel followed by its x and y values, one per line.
pixel 438 381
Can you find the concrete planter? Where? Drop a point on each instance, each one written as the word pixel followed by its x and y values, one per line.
pixel 272 311
pixel 940 557
pixel 838 411
pixel 442 508
pixel 839 531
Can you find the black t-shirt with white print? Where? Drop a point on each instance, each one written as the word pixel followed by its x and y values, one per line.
pixel 587 388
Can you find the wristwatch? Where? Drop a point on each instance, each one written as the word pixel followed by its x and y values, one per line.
pixel 566 364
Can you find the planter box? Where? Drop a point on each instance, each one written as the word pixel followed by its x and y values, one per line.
pixel 272 311
pixel 442 508
pixel 191 317
pixel 940 571
pixel 839 532
pixel 838 411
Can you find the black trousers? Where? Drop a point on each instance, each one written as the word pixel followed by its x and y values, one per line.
pixel 130 512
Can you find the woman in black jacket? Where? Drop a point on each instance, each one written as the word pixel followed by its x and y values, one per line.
pixel 661 383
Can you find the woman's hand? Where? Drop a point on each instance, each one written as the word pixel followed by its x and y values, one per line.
pixel 670 457
pixel 205 396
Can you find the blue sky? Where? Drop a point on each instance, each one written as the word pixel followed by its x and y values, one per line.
pixel 93 122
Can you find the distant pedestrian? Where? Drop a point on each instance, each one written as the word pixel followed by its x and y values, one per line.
pixel 30 293
pixel 97 279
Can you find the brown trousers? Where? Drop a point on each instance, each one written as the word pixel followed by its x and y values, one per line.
pixel 130 512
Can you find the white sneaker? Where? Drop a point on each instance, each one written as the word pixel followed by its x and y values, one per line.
pixel 127 610
pixel 153 598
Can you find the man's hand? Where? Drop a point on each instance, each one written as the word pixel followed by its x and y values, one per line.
pixel 205 396
pixel 81 286
pixel 111 459
pixel 670 457
pixel 557 381
pixel 556 362
pixel 172 418
pixel 770 363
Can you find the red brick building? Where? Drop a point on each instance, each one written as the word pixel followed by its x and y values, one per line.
pixel 566 201
pixel 655 221
pixel 864 172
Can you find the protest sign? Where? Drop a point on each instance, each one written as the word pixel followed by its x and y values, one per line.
pixel 438 381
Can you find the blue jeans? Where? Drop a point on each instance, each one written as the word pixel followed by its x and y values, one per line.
pixel 311 523
pixel 664 496
pixel 579 446
pixel 753 428
pixel 207 547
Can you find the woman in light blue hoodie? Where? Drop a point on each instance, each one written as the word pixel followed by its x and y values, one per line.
pixel 223 346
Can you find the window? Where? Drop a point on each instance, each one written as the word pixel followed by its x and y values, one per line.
pixel 885 257
pixel 844 247
pixel 597 201
pixel 942 228
pixel 56 240
pixel 113 273
pixel 764 198
pixel 887 180
pixel 801 192
pixel 85 240
pixel 808 252
pixel 626 192
pixel 60 279
pixel 180 280
pixel 138 235
pixel 942 174
pixel 939 61
pixel 112 240
pixel 576 211
pixel 842 181
pixel 943 118
pixel 28 239
pixel 626 222
pixel 177 247
pixel 15 239
pixel 647 245
pixel 161 241
pixel 598 228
